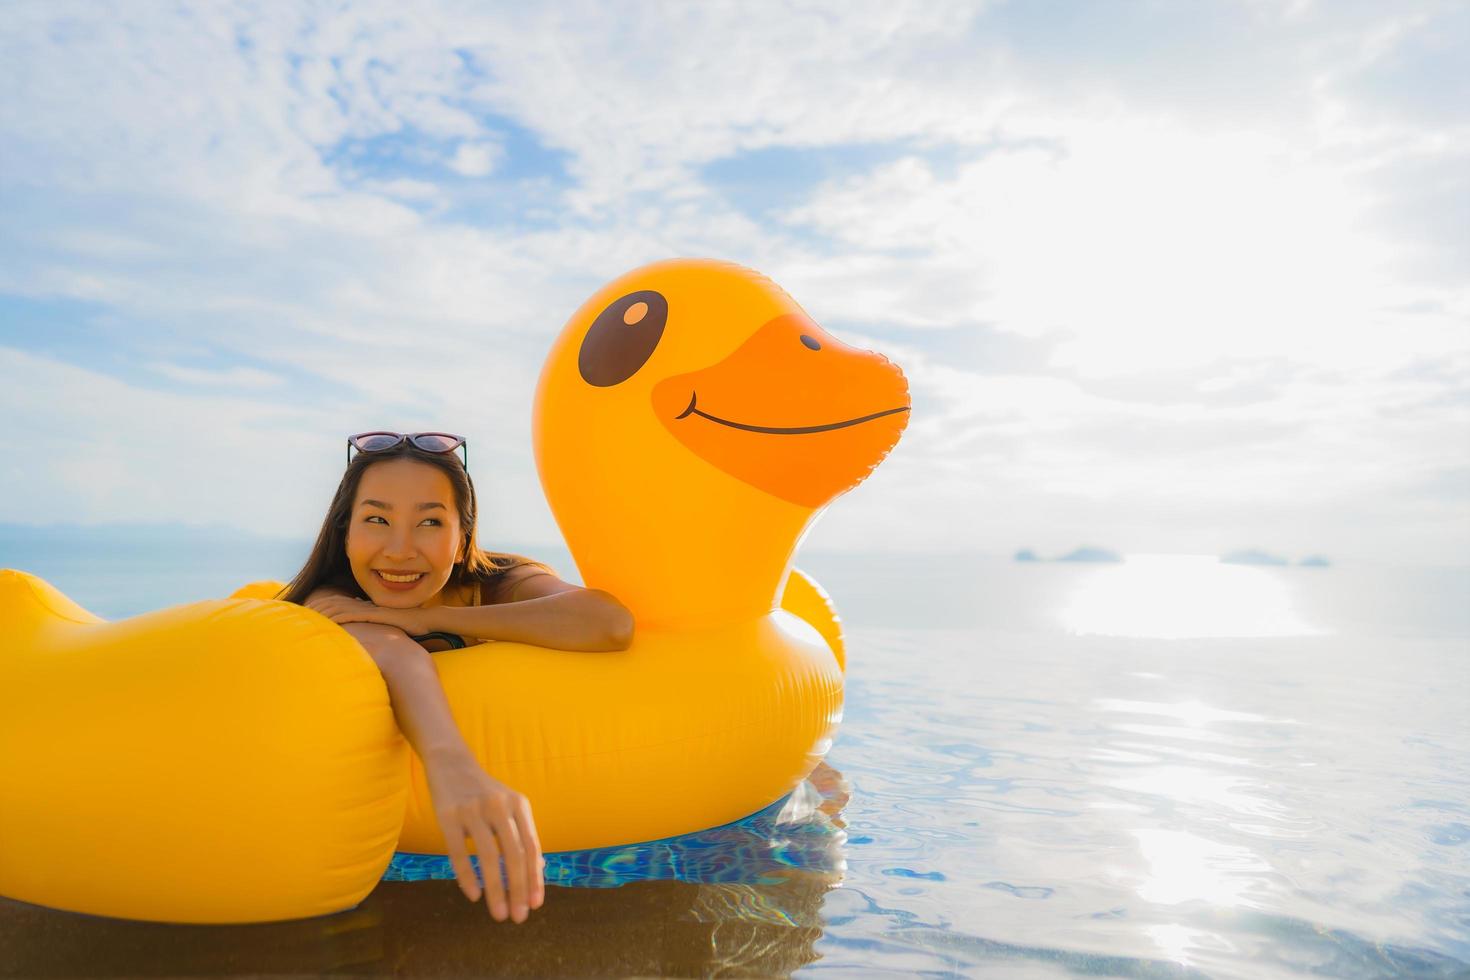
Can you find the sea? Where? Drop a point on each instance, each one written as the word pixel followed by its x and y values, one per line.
pixel 1167 765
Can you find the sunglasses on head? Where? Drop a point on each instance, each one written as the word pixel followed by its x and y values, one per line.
pixel 429 442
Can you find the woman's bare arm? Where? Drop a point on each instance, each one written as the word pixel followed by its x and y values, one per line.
pixel 419 704
pixel 432 645
pixel 468 802
pixel 583 619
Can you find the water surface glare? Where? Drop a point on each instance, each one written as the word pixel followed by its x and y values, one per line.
pixel 1270 807
pixel 1174 596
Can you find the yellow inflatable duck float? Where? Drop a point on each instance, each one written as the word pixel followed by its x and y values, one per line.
pixel 237 760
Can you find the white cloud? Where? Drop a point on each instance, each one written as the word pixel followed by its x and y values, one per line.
pixel 235 377
pixel 475 159
pixel 1143 250
pixel 405 188
pixel 1231 257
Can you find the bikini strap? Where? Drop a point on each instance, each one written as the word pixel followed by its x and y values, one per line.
pixel 455 642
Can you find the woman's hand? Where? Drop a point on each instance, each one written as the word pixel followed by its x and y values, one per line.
pixel 346 609
pixel 470 803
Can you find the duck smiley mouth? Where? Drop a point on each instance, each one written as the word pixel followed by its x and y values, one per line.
pixel 781 430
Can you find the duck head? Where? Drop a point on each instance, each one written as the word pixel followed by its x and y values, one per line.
pixel 690 423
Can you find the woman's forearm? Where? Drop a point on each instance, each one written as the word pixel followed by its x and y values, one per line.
pixel 588 620
pixel 419 704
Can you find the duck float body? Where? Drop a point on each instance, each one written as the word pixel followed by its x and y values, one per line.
pixel 237 760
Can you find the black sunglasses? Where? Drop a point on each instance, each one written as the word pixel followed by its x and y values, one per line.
pixel 429 442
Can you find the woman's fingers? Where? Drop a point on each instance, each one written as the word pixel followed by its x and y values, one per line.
pixel 489 853
pixel 347 614
pixel 341 609
pixel 326 607
pixel 459 860
pixel 471 803
pixel 513 849
pixel 535 860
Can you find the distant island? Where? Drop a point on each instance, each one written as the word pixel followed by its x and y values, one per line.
pixel 1081 554
pixel 1091 554
pixel 1248 556
pixel 1253 556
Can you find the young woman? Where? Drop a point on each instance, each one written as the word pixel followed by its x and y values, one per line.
pixel 397 564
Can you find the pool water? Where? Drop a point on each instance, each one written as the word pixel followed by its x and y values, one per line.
pixel 800 831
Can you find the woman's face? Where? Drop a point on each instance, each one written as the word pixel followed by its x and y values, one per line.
pixel 404 523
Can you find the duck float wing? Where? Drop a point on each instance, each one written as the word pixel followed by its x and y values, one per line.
pixel 232 760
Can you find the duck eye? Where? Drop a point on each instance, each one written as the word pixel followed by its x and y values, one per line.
pixel 622 338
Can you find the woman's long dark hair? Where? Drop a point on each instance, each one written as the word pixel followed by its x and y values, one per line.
pixel 327 564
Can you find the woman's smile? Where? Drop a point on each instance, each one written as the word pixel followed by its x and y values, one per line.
pixel 400 582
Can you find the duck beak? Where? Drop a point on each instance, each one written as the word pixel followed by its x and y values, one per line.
pixel 793 411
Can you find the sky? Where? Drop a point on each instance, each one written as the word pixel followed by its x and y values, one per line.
pixel 1181 277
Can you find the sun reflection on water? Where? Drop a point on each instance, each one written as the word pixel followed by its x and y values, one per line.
pixel 1178 596
pixel 1185 867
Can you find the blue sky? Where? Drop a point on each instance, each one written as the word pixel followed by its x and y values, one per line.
pixel 1184 277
